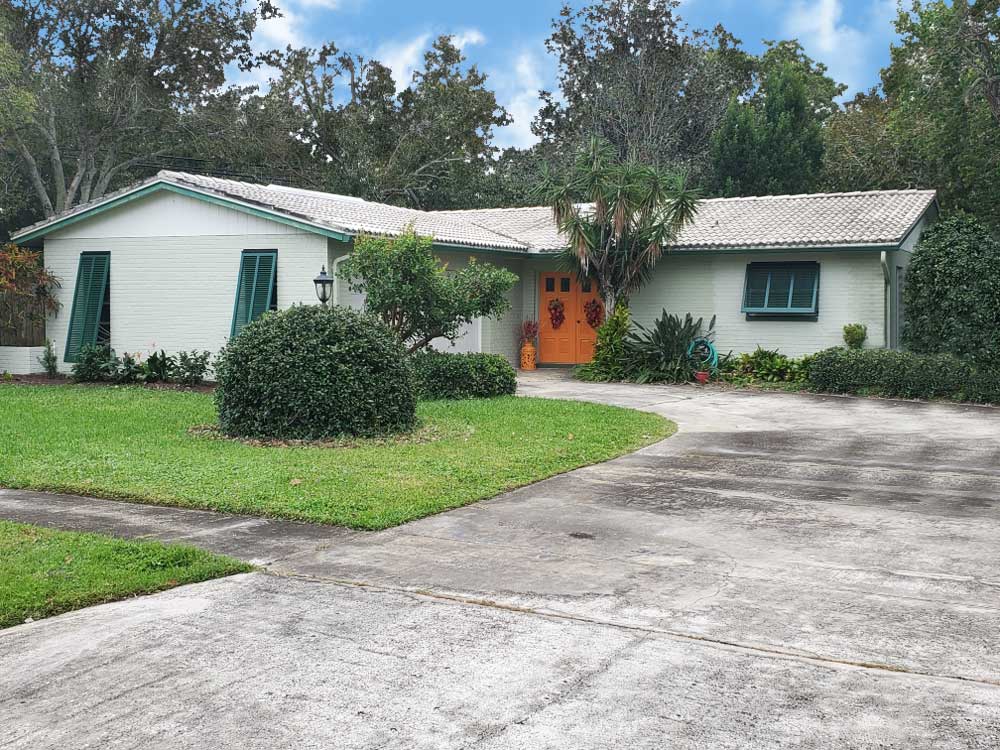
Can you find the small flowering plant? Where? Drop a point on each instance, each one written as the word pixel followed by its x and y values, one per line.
pixel 528 332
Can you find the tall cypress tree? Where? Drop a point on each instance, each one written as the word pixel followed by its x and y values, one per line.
pixel 772 145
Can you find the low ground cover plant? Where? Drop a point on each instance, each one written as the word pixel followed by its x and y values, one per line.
pixel 313 373
pixel 460 375
pixel 44 572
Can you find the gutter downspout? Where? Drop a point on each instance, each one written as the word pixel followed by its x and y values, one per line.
pixel 887 297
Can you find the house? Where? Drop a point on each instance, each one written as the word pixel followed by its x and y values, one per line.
pixel 183 261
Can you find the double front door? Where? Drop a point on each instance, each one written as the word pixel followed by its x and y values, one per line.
pixel 569 313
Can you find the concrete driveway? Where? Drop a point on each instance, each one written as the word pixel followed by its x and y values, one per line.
pixel 788 570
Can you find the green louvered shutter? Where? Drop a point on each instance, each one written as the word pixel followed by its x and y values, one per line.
pixel 92 278
pixel 804 293
pixel 756 294
pixel 255 287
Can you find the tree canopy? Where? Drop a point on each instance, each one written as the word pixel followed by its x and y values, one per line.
pixel 772 144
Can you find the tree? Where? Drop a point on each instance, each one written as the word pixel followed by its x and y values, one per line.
pixel 952 294
pixel 633 74
pixel 417 297
pixel 822 91
pixel 635 211
pixel 116 84
pixel 427 147
pixel 861 152
pixel 938 87
pixel 773 144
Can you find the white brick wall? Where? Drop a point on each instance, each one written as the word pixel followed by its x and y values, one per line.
pixel 174 267
pixel 851 290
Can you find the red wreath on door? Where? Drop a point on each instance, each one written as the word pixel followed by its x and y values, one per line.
pixel 557 312
pixel 595 313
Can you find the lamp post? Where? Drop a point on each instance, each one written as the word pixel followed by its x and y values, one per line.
pixel 324 286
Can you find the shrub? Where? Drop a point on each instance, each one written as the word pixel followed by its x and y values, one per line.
pixel 766 366
pixel 48 360
pixel 129 369
pixel 660 354
pixel 416 296
pixel 952 293
pixel 159 367
pixel 192 367
pixel 855 335
pixel 896 374
pixel 451 375
pixel 94 364
pixel 609 352
pixel 312 372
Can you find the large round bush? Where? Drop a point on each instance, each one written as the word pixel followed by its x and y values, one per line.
pixel 310 373
pixel 952 293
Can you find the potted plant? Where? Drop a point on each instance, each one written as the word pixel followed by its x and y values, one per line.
pixel 528 334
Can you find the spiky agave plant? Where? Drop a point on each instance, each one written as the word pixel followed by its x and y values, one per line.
pixel 618 217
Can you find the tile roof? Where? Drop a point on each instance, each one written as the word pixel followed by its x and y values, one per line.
pixel 779 221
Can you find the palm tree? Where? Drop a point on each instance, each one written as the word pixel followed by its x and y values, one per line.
pixel 635 212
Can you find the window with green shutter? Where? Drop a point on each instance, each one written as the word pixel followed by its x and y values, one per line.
pixel 781 289
pixel 256 288
pixel 90 316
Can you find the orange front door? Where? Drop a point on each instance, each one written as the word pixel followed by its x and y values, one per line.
pixel 565 336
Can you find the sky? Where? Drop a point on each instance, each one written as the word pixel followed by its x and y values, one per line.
pixel 506 38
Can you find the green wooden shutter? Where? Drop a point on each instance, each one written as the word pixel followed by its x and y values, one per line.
pixel 255 287
pixel 92 276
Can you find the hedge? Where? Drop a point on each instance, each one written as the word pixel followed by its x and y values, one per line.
pixel 898 374
pixel 441 375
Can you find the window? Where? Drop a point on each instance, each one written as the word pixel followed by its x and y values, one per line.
pixel 781 289
pixel 256 287
pixel 90 318
pixel 585 287
pixel 564 284
pixel 550 284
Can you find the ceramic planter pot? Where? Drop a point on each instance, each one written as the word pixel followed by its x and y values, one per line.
pixel 529 356
pixel 701 376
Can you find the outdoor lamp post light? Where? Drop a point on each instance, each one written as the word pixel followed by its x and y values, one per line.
pixel 324 286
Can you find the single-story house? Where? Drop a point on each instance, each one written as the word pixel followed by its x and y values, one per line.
pixel 182 261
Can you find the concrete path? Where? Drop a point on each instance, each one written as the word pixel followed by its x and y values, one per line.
pixel 786 571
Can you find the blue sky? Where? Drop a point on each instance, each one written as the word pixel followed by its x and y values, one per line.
pixel 506 37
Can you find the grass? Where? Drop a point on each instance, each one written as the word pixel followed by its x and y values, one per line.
pixel 137 444
pixel 45 572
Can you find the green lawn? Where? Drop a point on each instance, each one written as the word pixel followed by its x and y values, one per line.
pixel 136 444
pixel 45 572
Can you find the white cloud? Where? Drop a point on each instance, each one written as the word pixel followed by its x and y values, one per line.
pixel 517 90
pixel 468 38
pixel 403 57
pixel 846 49
pixel 325 4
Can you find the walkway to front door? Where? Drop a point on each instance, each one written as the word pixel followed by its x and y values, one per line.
pixel 565 336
